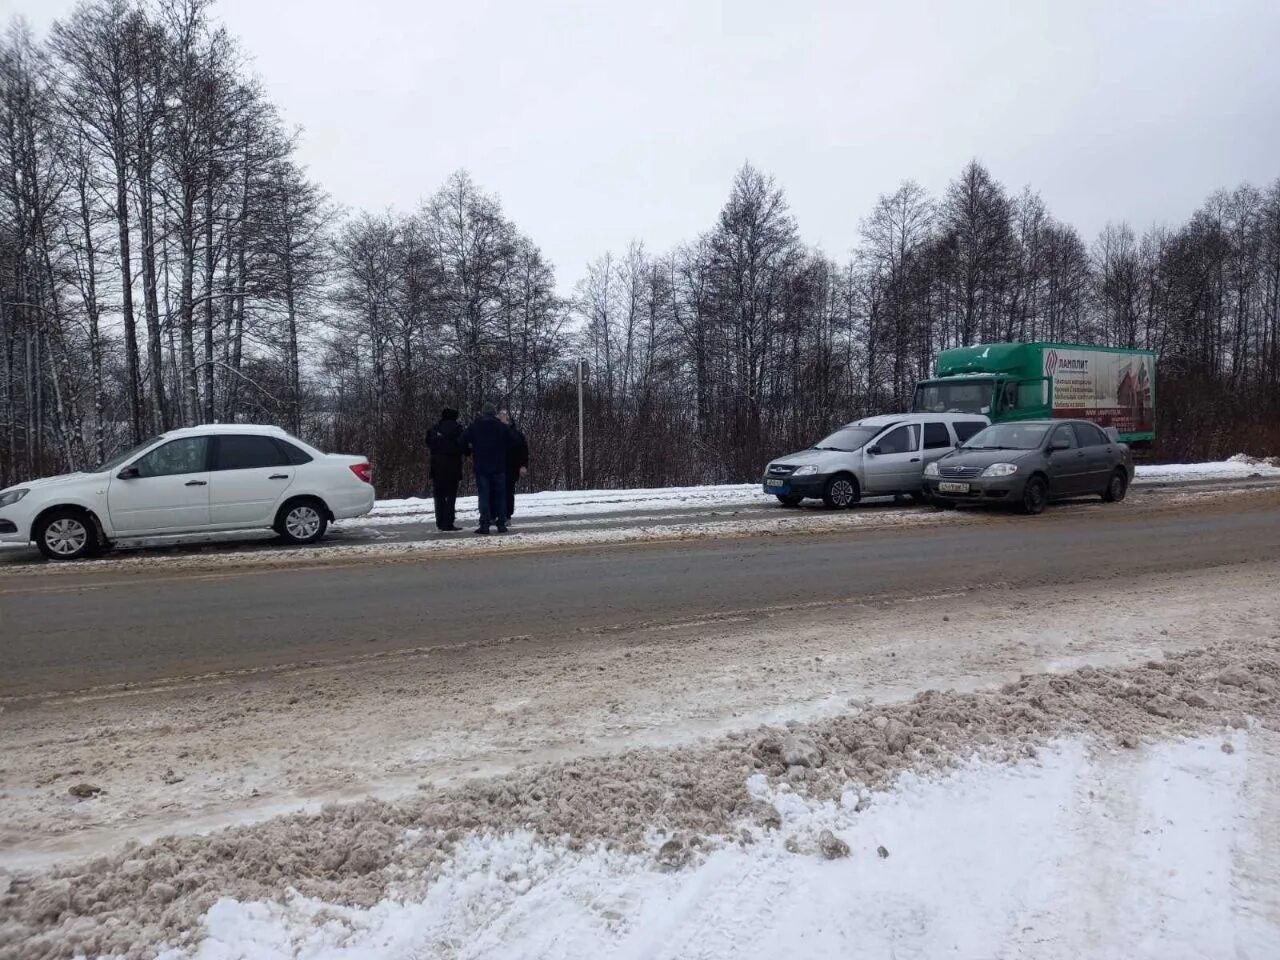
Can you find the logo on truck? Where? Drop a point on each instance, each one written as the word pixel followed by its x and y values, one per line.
pixel 1052 363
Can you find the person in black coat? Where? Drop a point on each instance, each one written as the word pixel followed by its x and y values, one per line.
pixel 444 441
pixel 488 439
pixel 517 461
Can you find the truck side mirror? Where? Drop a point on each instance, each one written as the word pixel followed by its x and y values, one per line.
pixel 873 451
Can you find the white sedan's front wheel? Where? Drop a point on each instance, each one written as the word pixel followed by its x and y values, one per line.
pixel 302 522
pixel 66 535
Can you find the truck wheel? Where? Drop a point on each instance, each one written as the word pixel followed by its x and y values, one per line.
pixel 788 501
pixel 840 492
pixel 1117 487
pixel 1035 496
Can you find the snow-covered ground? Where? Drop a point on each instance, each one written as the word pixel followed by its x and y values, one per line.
pixel 1083 853
pixel 569 503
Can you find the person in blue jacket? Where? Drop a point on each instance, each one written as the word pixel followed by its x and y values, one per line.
pixel 488 439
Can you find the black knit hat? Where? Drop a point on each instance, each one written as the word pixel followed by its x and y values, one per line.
pixel 448 413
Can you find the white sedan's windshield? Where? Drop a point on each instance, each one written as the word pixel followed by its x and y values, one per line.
pixel 121 458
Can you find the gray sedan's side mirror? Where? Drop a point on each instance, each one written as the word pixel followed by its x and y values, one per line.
pixel 128 473
pixel 1059 445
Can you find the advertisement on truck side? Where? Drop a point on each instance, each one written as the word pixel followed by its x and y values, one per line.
pixel 1111 389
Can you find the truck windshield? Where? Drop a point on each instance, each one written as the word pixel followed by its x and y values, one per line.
pixel 1008 436
pixel 965 396
pixel 849 438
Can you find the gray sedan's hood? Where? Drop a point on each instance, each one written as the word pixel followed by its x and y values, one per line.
pixel 983 458
pixel 822 459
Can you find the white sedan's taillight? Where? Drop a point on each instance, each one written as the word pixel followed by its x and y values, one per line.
pixel 364 471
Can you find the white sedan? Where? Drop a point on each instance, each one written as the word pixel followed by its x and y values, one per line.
pixel 224 477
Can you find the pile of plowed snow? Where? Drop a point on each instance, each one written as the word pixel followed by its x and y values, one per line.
pixel 676 807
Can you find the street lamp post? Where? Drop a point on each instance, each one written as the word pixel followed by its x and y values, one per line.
pixel 582 445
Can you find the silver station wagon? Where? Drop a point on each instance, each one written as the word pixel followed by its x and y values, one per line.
pixel 875 456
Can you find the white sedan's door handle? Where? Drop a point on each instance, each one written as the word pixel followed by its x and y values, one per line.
pixel 278 476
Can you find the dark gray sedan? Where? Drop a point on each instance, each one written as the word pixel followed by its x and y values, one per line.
pixel 1030 463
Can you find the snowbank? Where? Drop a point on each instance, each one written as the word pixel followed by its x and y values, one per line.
pixel 1079 854
pixel 1239 467
pixel 562 503
pixel 568 503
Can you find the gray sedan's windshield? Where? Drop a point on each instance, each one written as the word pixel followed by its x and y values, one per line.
pixel 847 439
pixel 1008 436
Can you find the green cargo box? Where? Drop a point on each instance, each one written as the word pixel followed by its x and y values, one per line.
pixel 1028 381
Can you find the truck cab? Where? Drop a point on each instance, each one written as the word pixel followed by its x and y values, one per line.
pixel 1002 381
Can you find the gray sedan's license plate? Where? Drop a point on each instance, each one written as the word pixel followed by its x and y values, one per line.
pixel 947 486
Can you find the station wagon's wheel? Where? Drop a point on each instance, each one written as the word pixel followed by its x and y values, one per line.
pixel 302 521
pixel 1117 487
pixel 63 535
pixel 1035 496
pixel 840 492
pixel 789 501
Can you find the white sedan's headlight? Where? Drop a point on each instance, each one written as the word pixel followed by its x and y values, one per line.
pixel 805 471
pixel 1000 470
pixel 9 498
pixel 932 469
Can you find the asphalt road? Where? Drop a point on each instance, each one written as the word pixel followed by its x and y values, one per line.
pixel 76 631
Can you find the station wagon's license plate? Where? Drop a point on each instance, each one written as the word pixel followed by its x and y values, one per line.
pixel 775 484
pixel 947 486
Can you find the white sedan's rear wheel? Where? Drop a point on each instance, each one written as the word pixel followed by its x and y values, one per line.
pixel 302 521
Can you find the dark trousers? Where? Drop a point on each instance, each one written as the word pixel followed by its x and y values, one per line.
pixel 444 491
pixel 491 491
pixel 513 478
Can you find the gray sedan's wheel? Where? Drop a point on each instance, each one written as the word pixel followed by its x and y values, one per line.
pixel 65 535
pixel 1035 496
pixel 302 521
pixel 841 492
pixel 1117 487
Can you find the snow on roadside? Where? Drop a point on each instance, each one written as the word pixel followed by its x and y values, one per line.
pixel 570 503
pixel 1081 853
pixel 1240 467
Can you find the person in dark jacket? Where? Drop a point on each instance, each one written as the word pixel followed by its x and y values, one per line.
pixel 517 461
pixel 444 442
pixel 488 439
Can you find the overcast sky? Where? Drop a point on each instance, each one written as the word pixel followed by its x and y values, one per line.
pixel 602 122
